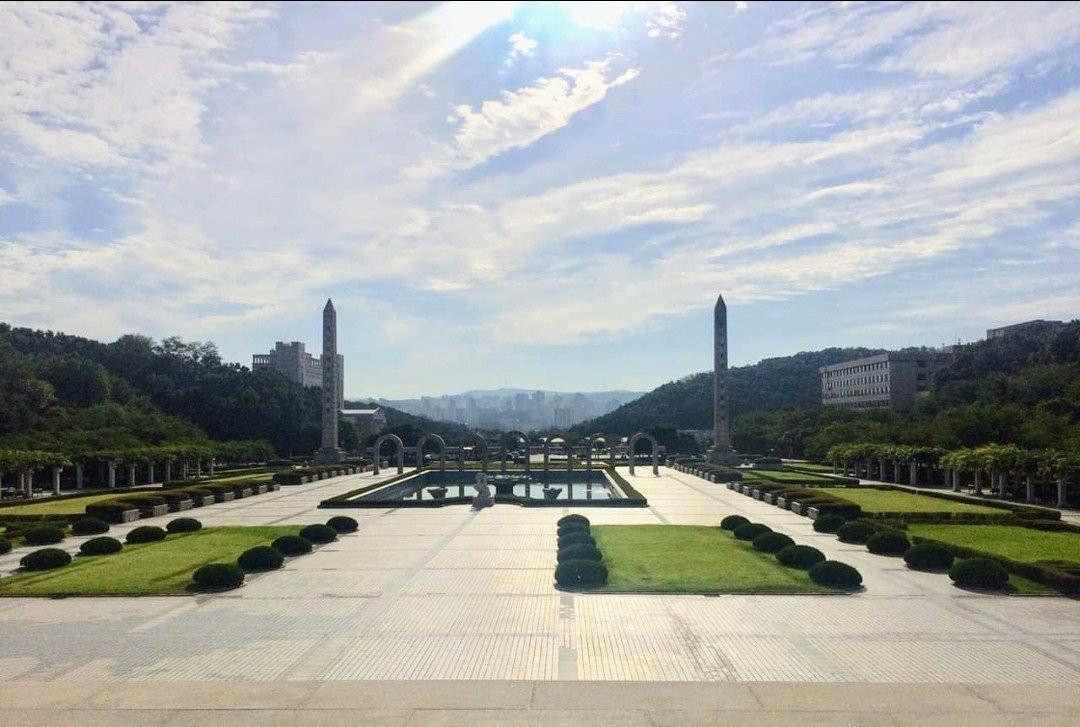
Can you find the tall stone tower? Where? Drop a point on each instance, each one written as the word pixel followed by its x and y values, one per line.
pixel 722 452
pixel 330 453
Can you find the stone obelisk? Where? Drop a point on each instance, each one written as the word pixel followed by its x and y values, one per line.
pixel 721 452
pixel 330 453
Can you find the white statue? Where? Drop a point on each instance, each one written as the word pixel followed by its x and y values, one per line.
pixel 483 493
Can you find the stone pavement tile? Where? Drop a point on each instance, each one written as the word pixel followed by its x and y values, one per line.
pixel 1030 698
pixel 871 698
pixel 290 718
pixel 524 718
pixel 980 719
pixel 23 694
pixel 682 718
pixel 643 695
pixel 202 695
pixel 421 695
pixel 78 717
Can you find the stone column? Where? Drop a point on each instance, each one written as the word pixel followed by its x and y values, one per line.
pixel 722 452
pixel 914 472
pixel 1061 491
pixel 881 469
pixel 212 463
pixel 183 469
pixel 132 470
pixel 896 471
pixel 26 481
pixel 330 452
pixel 150 467
pixel 978 481
pixel 955 480
pixel 112 474
pixel 198 468
pixel 547 467
pixel 56 479
pixel 78 476
pixel 1029 489
pixel 1002 483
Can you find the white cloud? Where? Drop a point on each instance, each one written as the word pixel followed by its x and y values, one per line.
pixel 521 46
pixel 665 19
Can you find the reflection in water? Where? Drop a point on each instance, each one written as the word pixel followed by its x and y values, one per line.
pixel 553 486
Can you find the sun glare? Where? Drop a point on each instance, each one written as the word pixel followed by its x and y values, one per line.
pixel 597 15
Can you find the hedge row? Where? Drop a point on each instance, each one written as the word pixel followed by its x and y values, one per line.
pixel 301 475
pixel 579 560
pixel 706 470
pixel 799 499
pixel 151 503
pixel 829 573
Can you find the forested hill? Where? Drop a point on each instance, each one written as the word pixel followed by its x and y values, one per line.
pixel 769 385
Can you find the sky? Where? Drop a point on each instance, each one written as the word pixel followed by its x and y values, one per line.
pixel 544 195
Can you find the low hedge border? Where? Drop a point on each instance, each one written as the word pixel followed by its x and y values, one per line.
pixel 1020 510
pixel 579 562
pixel 1059 576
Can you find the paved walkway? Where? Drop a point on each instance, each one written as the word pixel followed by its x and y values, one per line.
pixel 449 594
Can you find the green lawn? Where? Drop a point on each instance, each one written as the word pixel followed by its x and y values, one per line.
pixel 161 568
pixel 872 500
pixel 691 559
pixel 72 506
pixel 811 467
pixel 258 477
pixel 782 476
pixel 1008 541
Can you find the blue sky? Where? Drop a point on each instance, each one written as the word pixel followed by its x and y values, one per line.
pixel 541 195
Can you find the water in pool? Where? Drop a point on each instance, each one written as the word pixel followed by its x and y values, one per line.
pixel 551 486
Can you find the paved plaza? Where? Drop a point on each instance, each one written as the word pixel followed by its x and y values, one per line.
pixel 451 594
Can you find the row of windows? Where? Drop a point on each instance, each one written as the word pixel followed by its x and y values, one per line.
pixel 859 404
pixel 876 378
pixel 872 391
pixel 878 366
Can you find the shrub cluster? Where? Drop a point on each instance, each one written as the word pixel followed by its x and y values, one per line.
pixel 579 560
pixel 291 545
pixel 5 546
pixel 733 521
pixel 218 576
pixel 103 545
pixel 145 534
pixel 979 573
pixel 319 534
pixel 45 559
pixel 928 557
pixel 800 556
pixel 43 535
pixel 834 574
pixel 856 531
pixel 888 542
pixel 260 558
pixel 343 524
pixel 184 525
pixel 89 526
pixel 824 502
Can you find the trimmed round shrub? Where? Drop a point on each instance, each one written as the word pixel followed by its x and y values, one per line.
pixel 574 527
pixel 573 518
pixel 45 559
pixel 89 526
pixel 830 522
pixel 834 574
pixel 145 534
pixel 259 558
pixel 218 576
pixel 291 545
pixel 319 534
pixel 5 546
pixel 580 574
pixel 854 532
pixel 928 556
pixel 581 551
pixel 733 521
pixel 749 531
pixel 772 542
pixel 184 525
pixel 103 545
pixel 800 556
pixel 43 535
pixel 343 524
pixel 888 542
pixel 979 573
pixel 576 538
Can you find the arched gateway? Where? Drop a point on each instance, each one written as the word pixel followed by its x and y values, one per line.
pixel 400 452
pixel 654 447
pixel 420 450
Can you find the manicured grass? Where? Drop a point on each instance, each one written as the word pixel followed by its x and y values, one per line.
pixel 691 559
pixel 810 467
pixel 161 568
pixel 71 506
pixel 258 477
pixel 1008 541
pixel 782 476
pixel 872 500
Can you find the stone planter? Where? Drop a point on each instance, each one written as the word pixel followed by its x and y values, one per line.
pixel 261 489
pixel 274 487
pixel 202 500
pixel 227 497
pixel 782 502
pixel 153 510
pixel 795 507
pixel 731 485
pixel 125 516
pixel 770 498
pixel 813 512
pixel 181 505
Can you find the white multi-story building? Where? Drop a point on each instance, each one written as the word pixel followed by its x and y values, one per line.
pixel 300 366
pixel 887 380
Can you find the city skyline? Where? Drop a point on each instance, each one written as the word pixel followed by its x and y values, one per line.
pixel 542 194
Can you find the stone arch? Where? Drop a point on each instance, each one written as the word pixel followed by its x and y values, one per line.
pixel 653 446
pixel 420 450
pixel 566 445
pixel 589 443
pixel 506 437
pixel 482 443
pixel 400 452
